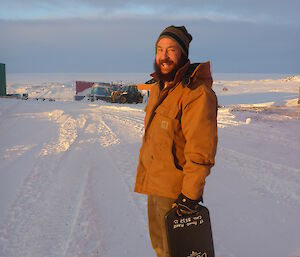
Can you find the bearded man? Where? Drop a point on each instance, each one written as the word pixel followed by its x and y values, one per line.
pixel 180 139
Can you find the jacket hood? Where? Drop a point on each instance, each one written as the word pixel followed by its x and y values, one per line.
pixel 196 72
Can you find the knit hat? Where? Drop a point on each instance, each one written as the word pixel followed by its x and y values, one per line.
pixel 179 35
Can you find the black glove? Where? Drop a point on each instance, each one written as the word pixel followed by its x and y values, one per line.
pixel 185 205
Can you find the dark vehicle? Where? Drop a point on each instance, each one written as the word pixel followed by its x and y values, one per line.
pixel 127 94
pixel 100 92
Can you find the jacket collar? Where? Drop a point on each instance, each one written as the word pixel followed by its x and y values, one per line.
pixel 178 76
pixel 189 72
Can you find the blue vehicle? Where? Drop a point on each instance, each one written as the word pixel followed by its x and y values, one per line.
pixel 100 92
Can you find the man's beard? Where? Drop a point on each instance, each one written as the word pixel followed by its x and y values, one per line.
pixel 171 75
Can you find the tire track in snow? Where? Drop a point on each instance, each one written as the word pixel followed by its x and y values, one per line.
pixel 85 238
pixel 127 153
pixel 100 131
pixel 281 181
pixel 68 132
pixel 107 136
pixel 38 220
pixel 122 227
pixel 104 213
pixel 132 119
pixel 86 235
pixel 133 125
pixel 76 214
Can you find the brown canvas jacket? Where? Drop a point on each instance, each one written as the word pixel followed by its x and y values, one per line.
pixel 180 139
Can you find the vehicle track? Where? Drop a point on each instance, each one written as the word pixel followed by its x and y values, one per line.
pixel 133 126
pixel 40 215
pixel 109 197
pixel 129 150
pixel 280 181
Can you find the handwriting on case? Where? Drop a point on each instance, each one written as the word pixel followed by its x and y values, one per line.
pixel 189 221
pixel 197 254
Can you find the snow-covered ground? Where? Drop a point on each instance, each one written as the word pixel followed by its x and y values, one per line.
pixel 68 170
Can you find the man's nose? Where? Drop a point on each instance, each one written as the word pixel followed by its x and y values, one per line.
pixel 165 54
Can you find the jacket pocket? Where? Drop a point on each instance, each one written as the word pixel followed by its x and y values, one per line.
pixel 164 126
pixel 165 123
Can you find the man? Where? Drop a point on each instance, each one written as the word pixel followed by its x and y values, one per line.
pixel 179 144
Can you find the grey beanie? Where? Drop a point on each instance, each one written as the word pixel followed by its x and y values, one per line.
pixel 180 35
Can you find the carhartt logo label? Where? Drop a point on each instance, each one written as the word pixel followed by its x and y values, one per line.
pixel 164 124
pixel 195 254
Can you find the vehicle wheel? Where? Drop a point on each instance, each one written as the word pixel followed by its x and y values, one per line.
pixel 123 99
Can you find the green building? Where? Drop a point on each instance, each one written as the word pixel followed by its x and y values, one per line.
pixel 2 80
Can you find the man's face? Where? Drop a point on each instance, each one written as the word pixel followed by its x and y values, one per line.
pixel 168 55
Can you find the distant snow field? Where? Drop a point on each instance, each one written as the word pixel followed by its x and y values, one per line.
pixel 68 170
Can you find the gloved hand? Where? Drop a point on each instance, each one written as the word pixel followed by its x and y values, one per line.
pixel 185 205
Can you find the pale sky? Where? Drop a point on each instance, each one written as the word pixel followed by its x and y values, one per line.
pixel 119 36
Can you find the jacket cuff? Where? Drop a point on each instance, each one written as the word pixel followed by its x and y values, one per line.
pixel 184 200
